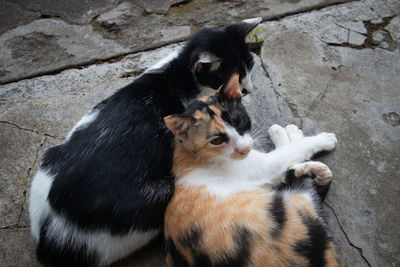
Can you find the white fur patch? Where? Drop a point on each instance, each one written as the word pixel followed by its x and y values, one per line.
pixel 278 135
pixel 85 121
pixel 227 176
pixel 109 247
pixel 240 142
pixel 247 83
pixel 163 62
pixel 253 20
pixel 39 206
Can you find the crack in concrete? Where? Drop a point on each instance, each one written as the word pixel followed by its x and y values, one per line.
pixel 14 227
pixel 322 95
pixel 359 249
pixel 28 175
pixel 369 42
pixel 120 56
pixel 306 10
pixel 292 106
pixel 277 94
pixel 30 130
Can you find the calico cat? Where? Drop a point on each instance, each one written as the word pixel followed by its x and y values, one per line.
pixel 102 193
pixel 227 209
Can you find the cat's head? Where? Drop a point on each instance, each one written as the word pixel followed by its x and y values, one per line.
pixel 215 54
pixel 215 126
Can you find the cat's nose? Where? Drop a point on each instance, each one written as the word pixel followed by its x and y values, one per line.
pixel 243 151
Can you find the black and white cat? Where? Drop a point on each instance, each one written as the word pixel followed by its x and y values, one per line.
pixel 102 193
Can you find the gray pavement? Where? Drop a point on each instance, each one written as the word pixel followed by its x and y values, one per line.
pixel 324 65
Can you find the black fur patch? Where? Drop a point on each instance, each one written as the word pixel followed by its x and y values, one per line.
pixel 198 105
pixel 304 182
pixel 322 190
pixel 226 45
pixel 242 239
pixel 278 213
pixel 235 114
pixel 177 258
pixel 192 241
pixel 314 247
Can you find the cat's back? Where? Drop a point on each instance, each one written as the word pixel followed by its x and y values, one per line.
pixel 247 228
pixel 102 171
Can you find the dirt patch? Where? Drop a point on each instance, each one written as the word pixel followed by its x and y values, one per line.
pixel 37 49
pixel 392 118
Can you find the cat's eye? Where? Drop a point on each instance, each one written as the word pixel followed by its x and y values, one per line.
pixel 219 139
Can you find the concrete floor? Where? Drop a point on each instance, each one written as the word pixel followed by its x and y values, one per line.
pixel 324 65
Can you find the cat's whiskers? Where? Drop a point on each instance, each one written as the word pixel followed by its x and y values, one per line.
pixel 258 130
pixel 261 142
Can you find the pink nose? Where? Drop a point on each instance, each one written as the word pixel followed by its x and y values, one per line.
pixel 245 150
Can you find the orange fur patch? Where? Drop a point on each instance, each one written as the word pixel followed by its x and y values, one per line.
pixel 193 206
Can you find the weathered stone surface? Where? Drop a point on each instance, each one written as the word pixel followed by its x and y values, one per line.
pixel 12 15
pixel 376 21
pixel 157 6
pixel 47 143
pixel 117 23
pixel 50 44
pixel 53 104
pixel 17 248
pixel 350 92
pixel 356 38
pixel 350 255
pixel 378 36
pixel 334 34
pixel 394 28
pixel 383 8
pixel 356 26
pixel 74 11
pixel 18 155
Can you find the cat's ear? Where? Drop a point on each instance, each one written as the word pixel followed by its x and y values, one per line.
pixel 179 125
pixel 243 27
pixel 209 59
pixel 231 89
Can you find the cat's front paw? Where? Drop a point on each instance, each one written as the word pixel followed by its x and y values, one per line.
pixel 294 133
pixel 278 135
pixel 325 142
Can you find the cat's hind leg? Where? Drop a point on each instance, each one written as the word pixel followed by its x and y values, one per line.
pixel 320 172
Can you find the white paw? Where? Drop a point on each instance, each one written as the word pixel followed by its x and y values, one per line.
pixel 278 135
pixel 326 141
pixel 323 174
pixel 294 133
